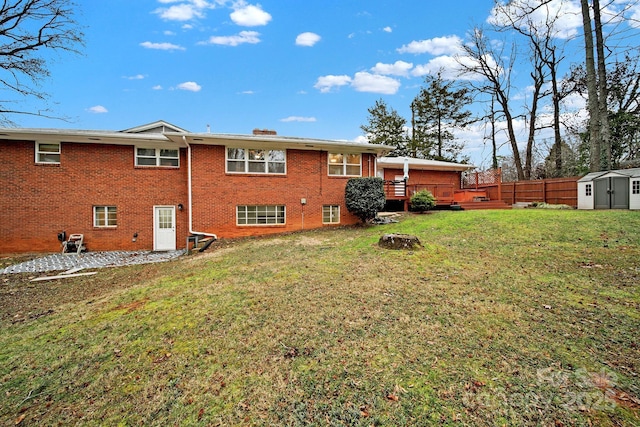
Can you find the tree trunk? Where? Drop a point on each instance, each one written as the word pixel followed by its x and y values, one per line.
pixel 504 103
pixel 592 90
pixel 603 110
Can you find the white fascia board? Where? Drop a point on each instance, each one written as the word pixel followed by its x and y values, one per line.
pixel 87 137
pixel 279 142
pixel 422 164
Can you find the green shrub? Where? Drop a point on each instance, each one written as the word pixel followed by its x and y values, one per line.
pixel 364 197
pixel 422 201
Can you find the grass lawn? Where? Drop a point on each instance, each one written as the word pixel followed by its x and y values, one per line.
pixel 523 317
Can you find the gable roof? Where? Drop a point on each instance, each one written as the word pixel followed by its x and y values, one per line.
pixel 159 126
pixel 631 173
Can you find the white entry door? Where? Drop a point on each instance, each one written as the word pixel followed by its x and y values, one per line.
pixel 164 230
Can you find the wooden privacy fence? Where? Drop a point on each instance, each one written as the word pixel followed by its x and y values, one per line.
pixel 553 191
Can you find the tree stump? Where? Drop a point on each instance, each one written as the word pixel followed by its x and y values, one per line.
pixel 399 241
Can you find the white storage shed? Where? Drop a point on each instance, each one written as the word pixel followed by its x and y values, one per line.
pixel 617 189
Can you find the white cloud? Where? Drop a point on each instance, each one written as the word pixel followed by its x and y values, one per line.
pixel 307 39
pixel 169 33
pixel 190 86
pixel 247 92
pixel 251 37
pixel 435 46
pixel 97 109
pixel 136 77
pixel 450 68
pixel 157 87
pixel 399 68
pixel 566 16
pixel 361 139
pixel 250 16
pixel 387 29
pixel 298 119
pixel 180 12
pixel 367 82
pixel 326 83
pixel 161 46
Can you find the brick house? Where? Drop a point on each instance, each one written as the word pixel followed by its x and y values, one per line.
pixel 152 186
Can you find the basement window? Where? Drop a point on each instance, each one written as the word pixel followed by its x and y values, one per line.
pixel 260 215
pixel 345 164
pixel 48 152
pixel 105 216
pixel 331 214
pixel 169 157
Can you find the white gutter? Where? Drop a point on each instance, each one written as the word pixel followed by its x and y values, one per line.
pixel 191 230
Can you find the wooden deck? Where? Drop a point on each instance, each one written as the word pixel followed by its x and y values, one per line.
pixel 445 194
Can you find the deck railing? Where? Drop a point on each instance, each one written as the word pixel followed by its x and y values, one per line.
pixel 400 190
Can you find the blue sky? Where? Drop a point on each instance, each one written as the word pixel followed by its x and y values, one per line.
pixel 304 68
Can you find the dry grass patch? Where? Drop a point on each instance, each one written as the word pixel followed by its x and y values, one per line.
pixel 503 318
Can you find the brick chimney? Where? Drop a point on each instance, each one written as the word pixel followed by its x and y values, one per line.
pixel 257 131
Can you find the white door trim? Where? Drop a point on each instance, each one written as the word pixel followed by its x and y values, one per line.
pixel 164 239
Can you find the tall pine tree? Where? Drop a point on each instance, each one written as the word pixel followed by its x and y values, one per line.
pixel 438 110
pixel 385 126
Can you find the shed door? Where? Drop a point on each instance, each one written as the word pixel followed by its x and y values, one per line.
pixel 602 196
pixel 612 193
pixel 620 194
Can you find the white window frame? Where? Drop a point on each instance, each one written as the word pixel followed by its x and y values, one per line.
pixel 40 153
pixel 261 215
pixel 105 211
pixel 588 190
pixel 333 162
pixel 333 212
pixel 157 156
pixel 249 163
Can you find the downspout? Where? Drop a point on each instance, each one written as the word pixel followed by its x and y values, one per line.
pixel 190 195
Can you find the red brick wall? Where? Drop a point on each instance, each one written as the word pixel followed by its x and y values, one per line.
pixel 38 201
pixel 418 177
pixel 216 194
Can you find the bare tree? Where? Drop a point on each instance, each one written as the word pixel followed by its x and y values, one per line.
pixel 28 29
pixel 482 59
pixel 537 22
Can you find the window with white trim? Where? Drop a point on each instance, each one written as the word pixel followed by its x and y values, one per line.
pixel 157 157
pixel 635 187
pixel 345 164
pixel 331 214
pixel 260 214
pixel 105 216
pixel 47 152
pixel 587 190
pixel 249 160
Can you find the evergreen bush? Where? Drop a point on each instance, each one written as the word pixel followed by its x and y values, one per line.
pixel 365 197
